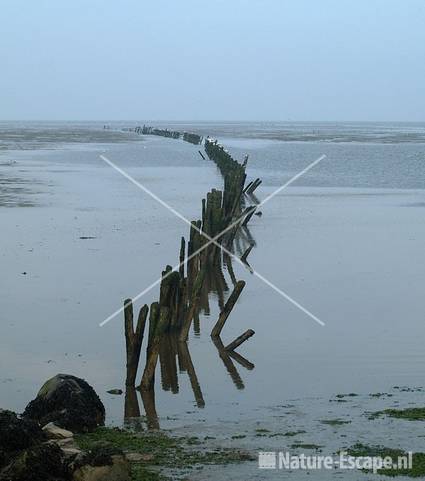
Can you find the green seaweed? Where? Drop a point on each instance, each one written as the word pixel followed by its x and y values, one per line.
pixel 411 414
pixel 334 422
pixel 418 459
pixel 166 452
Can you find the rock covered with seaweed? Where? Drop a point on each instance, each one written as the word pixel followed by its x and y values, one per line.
pixel 69 402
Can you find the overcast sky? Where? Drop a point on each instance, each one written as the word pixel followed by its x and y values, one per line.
pixel 215 59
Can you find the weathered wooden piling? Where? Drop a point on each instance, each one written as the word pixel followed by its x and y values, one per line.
pixel 133 339
pixel 148 399
pixel 224 314
pixel 233 174
pixel 172 296
pixel 193 305
pixel 182 257
pixel 253 186
pixel 246 253
pixel 153 320
pixel 131 403
pixel 247 187
pixel 146 130
pixel 153 350
pixel 196 323
pixel 248 213
pixel 192 138
pixel 239 340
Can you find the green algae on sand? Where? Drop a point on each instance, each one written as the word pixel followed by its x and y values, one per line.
pixel 417 470
pixel 334 422
pixel 162 453
pixel 411 414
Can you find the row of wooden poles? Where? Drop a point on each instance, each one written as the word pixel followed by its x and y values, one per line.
pixel 234 174
pixel 180 291
pixel 229 167
pixel 190 137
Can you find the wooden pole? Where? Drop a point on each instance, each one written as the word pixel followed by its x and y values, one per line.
pixel 182 256
pixel 247 187
pixel 163 363
pixel 153 352
pixel 239 340
pixel 194 302
pixel 250 212
pixel 224 314
pixel 255 185
pixel 203 214
pixel 228 261
pixel 246 254
pixel 153 321
pixel 133 339
pixel 148 399
pixel 131 404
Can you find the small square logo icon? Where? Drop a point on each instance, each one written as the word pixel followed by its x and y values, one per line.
pixel 267 460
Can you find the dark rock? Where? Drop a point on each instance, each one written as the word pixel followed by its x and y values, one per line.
pixel 69 402
pixel 101 454
pixel 116 392
pixel 118 470
pixel 17 434
pixel 104 462
pixel 43 462
pixel 54 432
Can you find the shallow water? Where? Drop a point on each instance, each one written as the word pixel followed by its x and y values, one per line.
pixel 345 241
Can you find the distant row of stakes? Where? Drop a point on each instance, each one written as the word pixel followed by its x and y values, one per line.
pixel 172 134
pixel 180 291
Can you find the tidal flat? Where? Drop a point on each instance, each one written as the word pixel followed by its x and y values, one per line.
pixel 345 241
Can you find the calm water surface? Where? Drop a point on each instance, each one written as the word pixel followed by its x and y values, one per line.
pixel 345 241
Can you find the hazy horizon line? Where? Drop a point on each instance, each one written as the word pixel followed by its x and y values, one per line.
pixel 217 120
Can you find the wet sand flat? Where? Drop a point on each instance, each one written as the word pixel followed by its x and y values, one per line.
pixel 348 249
